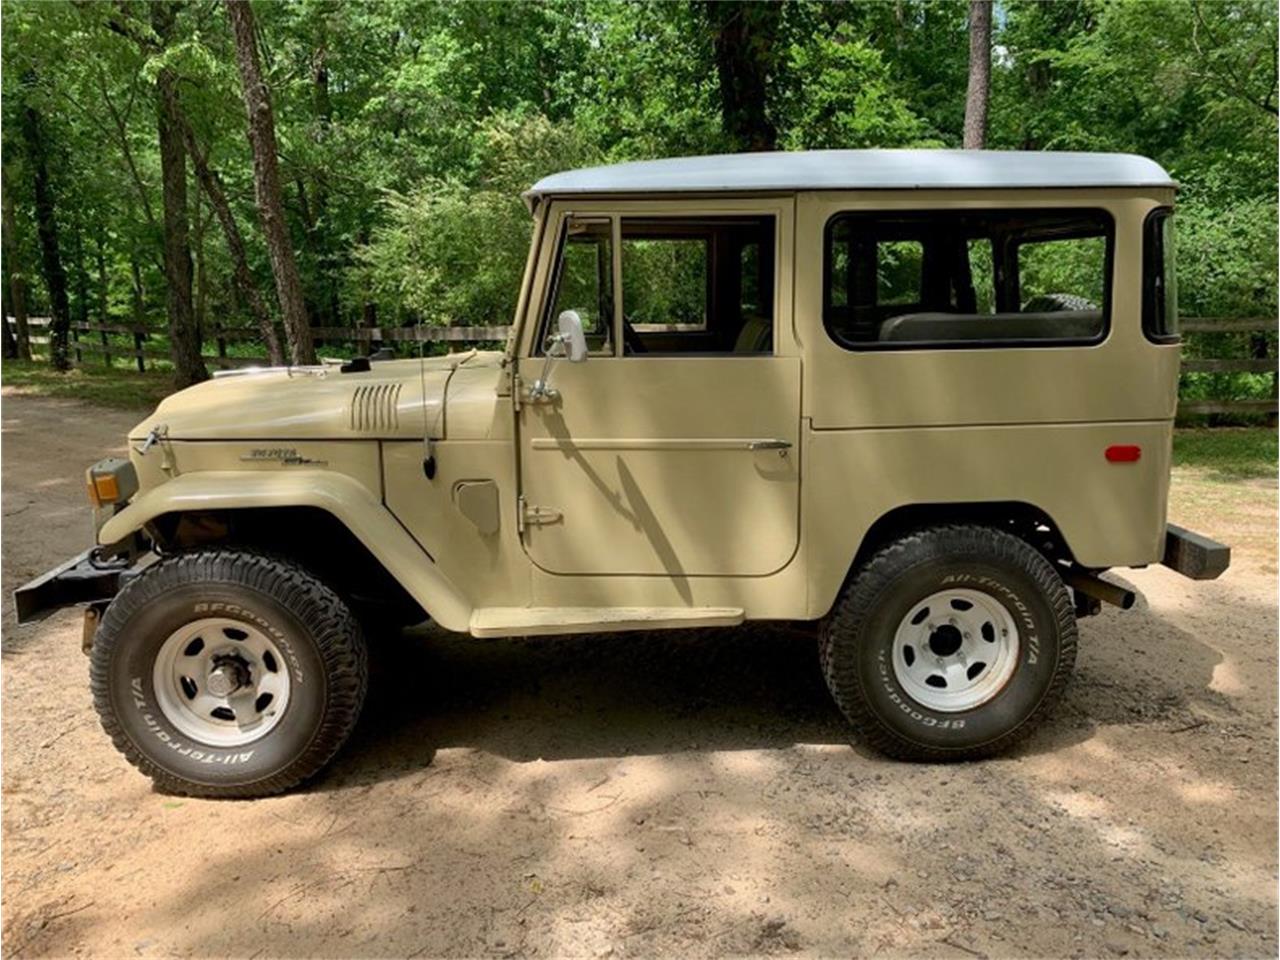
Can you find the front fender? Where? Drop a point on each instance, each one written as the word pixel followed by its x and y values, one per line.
pixel 344 498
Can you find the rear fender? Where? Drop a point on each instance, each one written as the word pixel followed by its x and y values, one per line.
pixel 346 499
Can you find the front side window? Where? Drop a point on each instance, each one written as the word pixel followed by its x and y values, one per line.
pixel 584 282
pixel 967 277
pixel 1159 282
pixel 690 285
pixel 697 285
pixel 664 282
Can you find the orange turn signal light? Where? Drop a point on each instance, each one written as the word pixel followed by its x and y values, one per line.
pixel 111 481
pixel 104 488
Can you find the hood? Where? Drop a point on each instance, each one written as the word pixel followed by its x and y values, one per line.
pixel 395 399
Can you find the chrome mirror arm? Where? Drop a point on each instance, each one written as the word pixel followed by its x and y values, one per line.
pixel 541 388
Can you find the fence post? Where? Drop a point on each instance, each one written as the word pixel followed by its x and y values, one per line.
pixel 222 341
pixel 137 351
pixel 106 347
pixel 75 340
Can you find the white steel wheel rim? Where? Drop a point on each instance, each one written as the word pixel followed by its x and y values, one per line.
pixel 955 650
pixel 221 682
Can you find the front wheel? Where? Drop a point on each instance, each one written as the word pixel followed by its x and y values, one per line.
pixel 950 644
pixel 228 673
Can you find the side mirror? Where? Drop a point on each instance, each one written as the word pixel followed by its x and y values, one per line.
pixel 569 328
pixel 568 341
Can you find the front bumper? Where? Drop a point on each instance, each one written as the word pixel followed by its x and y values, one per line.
pixel 86 578
pixel 1194 555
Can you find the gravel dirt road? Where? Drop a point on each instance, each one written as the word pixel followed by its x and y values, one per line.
pixel 687 794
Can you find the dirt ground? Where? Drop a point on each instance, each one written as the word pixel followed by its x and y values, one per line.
pixel 687 794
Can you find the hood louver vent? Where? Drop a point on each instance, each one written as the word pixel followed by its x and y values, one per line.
pixel 373 407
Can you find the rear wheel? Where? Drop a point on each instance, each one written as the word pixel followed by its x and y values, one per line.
pixel 950 643
pixel 228 673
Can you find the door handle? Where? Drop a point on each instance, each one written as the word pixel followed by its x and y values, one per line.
pixel 768 444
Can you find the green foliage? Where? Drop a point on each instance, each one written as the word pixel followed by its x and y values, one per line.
pixel 665 280
pixel 407 131
pixel 840 94
pixel 452 251
pixel 1220 270
pixel 1230 454
pixel 117 387
pixel 1075 267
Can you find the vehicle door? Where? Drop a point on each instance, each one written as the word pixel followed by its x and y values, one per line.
pixel 674 448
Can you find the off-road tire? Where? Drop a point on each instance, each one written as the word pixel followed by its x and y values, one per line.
pixel 314 629
pixel 856 642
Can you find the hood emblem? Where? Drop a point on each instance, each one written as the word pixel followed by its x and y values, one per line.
pixel 286 456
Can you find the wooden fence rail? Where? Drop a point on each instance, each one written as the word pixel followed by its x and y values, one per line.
pixel 1262 361
pixel 365 337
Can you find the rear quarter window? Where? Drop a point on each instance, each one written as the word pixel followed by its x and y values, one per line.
pixel 1159 279
pixel 968 278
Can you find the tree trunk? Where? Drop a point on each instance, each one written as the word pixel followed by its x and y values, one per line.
pixel 104 287
pixel 323 105
pixel 104 293
pixel 1260 349
pixel 139 292
pixel 55 277
pixel 16 284
pixel 184 337
pixel 368 316
pixel 979 94
pixel 201 276
pixel 745 35
pixel 6 311
pixel 314 311
pixel 81 272
pixel 10 344
pixel 266 184
pixel 241 275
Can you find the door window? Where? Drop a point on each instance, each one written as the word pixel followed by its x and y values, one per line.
pixel 584 282
pixel 698 285
pixel 665 282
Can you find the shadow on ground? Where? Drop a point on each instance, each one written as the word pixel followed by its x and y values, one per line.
pixel 748 688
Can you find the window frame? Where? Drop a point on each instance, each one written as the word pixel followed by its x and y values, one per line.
pixel 1105 216
pixel 1153 258
pixel 543 326
pixel 714 218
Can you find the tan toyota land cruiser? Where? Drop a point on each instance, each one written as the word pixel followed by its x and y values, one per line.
pixel 920 399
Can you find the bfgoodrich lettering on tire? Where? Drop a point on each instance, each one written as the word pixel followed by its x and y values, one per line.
pixel 228 673
pixel 949 644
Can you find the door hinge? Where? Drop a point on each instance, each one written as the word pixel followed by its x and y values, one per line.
pixel 538 393
pixel 529 515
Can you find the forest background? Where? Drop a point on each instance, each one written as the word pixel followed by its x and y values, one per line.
pixel 286 166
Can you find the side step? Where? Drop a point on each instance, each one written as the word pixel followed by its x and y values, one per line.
pixel 535 621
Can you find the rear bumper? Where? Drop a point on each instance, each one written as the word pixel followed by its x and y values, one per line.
pixel 1194 555
pixel 82 579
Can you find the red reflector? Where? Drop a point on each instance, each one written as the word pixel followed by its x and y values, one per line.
pixel 1124 453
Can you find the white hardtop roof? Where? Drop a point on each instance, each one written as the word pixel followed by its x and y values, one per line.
pixel 859 170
